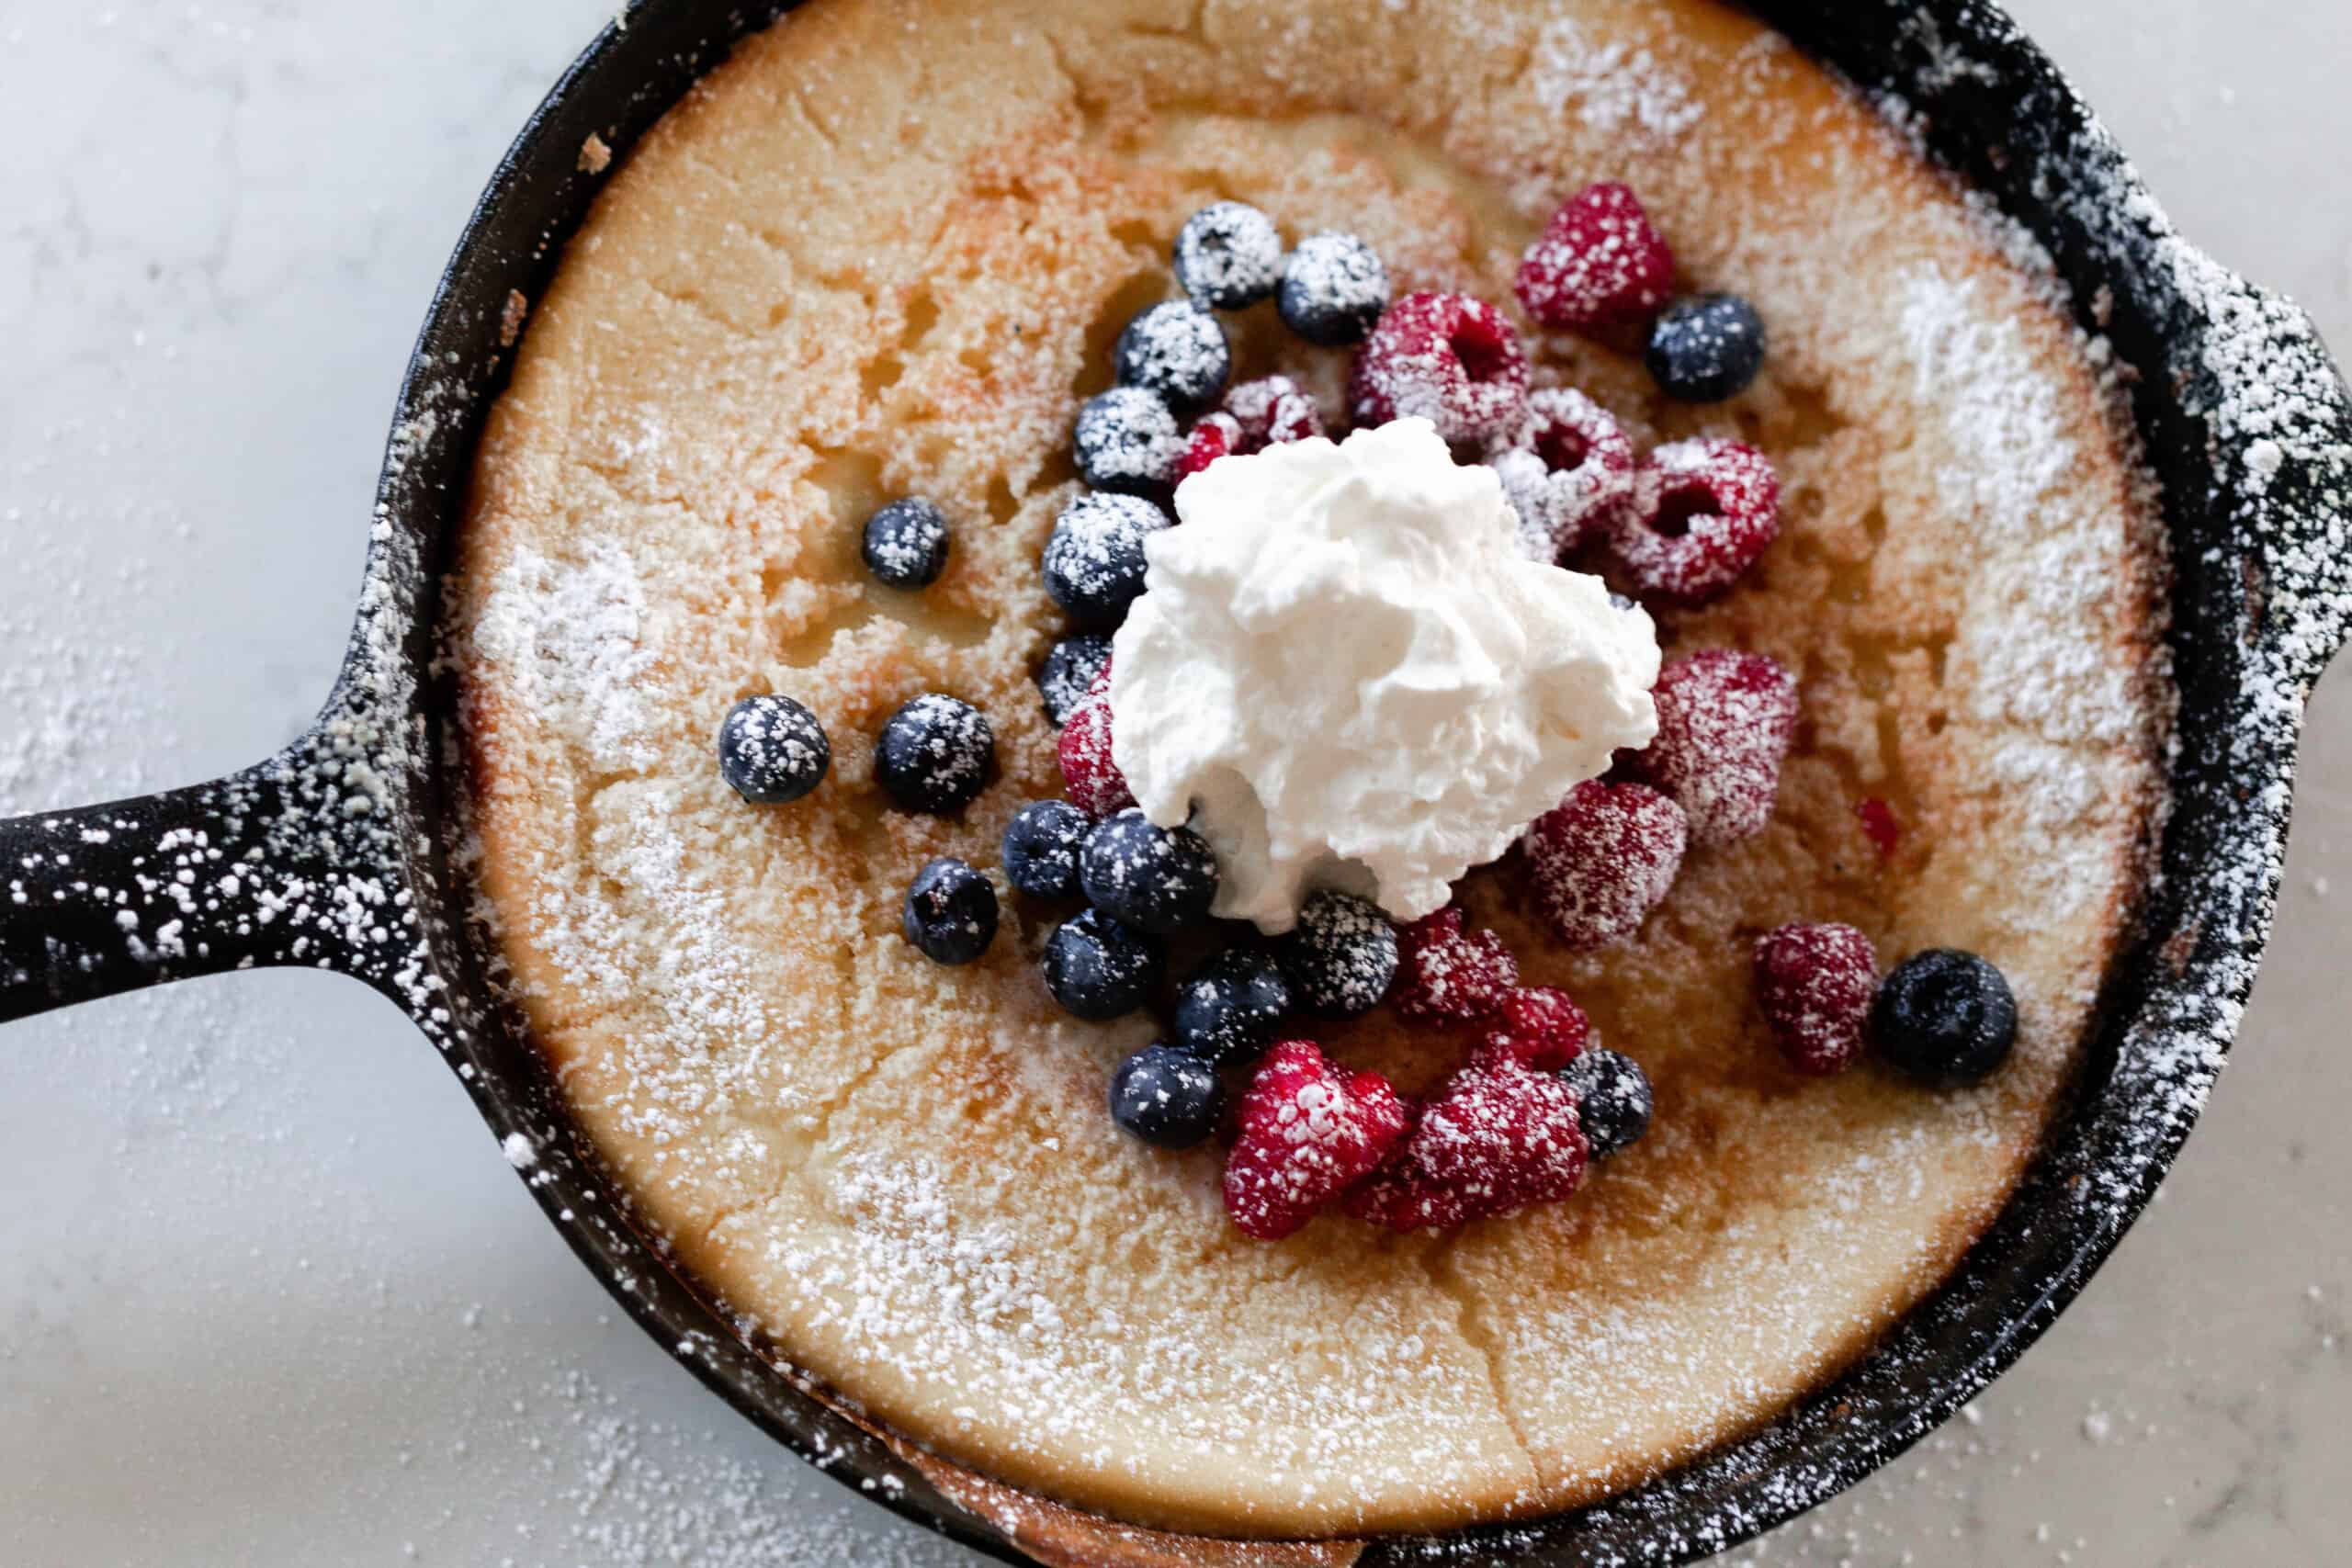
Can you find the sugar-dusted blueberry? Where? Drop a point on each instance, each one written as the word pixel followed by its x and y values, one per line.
pixel 1340 956
pixel 1705 349
pixel 934 754
pixel 1229 1008
pixel 772 749
pixel 906 543
pixel 951 912
pixel 1228 255
pixel 1070 670
pixel 1127 440
pixel 1946 1017
pixel 1165 1095
pixel 1333 288
pixel 1157 879
pixel 1176 349
pixel 1098 969
pixel 1041 847
pixel 1094 561
pixel 1614 1100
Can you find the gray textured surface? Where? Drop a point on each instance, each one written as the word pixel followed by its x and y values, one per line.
pixel 267 1293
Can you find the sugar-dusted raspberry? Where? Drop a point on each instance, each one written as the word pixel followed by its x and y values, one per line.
pixel 1496 1139
pixel 1257 414
pixel 1700 513
pixel 1814 986
pixel 1602 859
pixel 1272 410
pixel 1090 776
pixel 1214 437
pixel 1309 1132
pixel 1725 721
pixel 1448 359
pixel 1448 973
pixel 1600 263
pixel 1539 1027
pixel 1567 471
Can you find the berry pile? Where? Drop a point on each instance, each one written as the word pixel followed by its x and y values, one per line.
pixel 1945 1016
pixel 1535 1099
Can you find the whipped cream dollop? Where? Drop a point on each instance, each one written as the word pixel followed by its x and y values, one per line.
pixel 1345 674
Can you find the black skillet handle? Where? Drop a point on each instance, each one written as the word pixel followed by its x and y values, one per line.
pixel 2286 422
pixel 196 881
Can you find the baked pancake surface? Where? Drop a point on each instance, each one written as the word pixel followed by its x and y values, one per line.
pixel 884 252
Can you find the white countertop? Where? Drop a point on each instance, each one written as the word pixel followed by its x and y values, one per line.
pixel 268 1294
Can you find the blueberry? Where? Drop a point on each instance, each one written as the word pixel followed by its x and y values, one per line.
pixel 1041 848
pixel 1945 1016
pixel 1231 1008
pixel 934 754
pixel 1070 672
pixel 1176 349
pixel 1166 1096
pixel 772 749
pixel 1228 255
pixel 1340 956
pixel 1094 561
pixel 1097 968
pixel 906 544
pixel 1706 349
pixel 1614 1100
pixel 951 912
pixel 1128 440
pixel 1333 289
pixel 1157 879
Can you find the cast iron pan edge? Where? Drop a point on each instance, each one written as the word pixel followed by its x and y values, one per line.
pixel 339 852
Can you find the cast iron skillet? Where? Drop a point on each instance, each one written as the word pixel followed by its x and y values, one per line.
pixel 336 854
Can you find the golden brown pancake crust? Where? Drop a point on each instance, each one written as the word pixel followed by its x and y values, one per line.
pixel 884 251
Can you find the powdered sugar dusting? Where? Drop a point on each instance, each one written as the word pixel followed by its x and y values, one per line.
pixel 1613 86
pixel 573 636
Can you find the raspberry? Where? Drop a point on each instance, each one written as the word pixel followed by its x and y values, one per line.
pixel 1569 471
pixel 1447 358
pixel 1270 410
pixel 1496 1139
pixel 1539 1027
pixel 1445 973
pixel 1092 779
pixel 1814 986
pixel 1725 721
pixel 1600 263
pixel 1257 414
pixel 1213 437
pixel 1309 1132
pixel 1878 822
pixel 1602 859
pixel 1702 512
